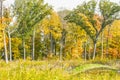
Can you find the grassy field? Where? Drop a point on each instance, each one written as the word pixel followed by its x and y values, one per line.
pixel 55 70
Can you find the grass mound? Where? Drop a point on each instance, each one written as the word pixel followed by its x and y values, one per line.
pixel 88 67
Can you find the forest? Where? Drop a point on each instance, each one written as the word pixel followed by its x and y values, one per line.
pixel 39 43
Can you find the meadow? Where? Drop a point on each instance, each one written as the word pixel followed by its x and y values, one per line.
pixel 38 42
pixel 57 70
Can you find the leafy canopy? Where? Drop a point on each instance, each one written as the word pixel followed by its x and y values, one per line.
pixel 29 13
pixel 85 16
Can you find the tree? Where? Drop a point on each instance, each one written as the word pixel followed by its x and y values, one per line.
pixel 4 34
pixel 9 28
pixel 75 38
pixel 62 14
pixel 55 30
pixel 1 37
pixel 114 42
pixel 51 26
pixel 29 13
pixel 84 14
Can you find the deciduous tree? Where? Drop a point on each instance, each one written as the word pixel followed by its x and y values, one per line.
pixel 84 14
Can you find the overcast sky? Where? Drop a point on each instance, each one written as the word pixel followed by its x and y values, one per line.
pixel 59 4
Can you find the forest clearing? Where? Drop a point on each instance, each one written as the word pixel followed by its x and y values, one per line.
pixel 38 42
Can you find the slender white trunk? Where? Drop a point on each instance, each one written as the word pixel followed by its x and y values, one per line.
pixel 33 51
pixel 10 50
pixel 5 47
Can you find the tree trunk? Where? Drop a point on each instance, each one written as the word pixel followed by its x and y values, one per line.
pixel 33 51
pixel 89 52
pixel 107 42
pixel 51 44
pixel 102 46
pixel 55 47
pixel 61 49
pixel 10 50
pixel 62 43
pixel 5 47
pixel 94 52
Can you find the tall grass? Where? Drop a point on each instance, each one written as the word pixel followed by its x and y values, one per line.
pixel 50 70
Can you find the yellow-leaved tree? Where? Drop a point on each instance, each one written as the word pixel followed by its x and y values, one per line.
pixel 114 40
pixel 1 36
pixel 51 26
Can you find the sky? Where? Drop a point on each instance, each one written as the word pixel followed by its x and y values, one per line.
pixel 56 4
pixel 59 4
pixel 64 4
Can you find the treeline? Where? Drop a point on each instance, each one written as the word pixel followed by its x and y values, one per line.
pixel 31 29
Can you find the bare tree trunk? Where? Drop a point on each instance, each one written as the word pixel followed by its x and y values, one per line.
pixel 10 50
pixel 94 52
pixel 5 47
pixel 33 51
